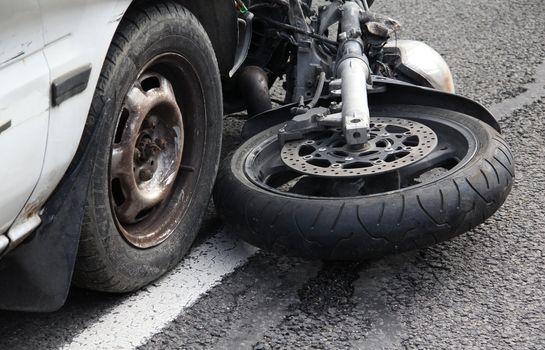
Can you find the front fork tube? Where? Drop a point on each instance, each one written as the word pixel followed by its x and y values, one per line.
pixel 353 71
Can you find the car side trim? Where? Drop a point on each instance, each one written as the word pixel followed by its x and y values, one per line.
pixel 70 84
pixel 5 126
pixel 4 242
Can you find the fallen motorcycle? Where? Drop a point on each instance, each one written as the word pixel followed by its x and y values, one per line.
pixel 371 153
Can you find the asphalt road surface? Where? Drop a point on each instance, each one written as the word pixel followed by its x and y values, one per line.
pixel 485 289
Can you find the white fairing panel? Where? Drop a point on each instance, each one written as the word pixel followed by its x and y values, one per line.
pixel 77 33
pixel 426 62
pixel 24 105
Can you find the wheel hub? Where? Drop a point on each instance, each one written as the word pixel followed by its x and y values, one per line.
pixel 147 152
pixel 393 143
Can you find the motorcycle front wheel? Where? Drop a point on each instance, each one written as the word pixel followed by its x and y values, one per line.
pixel 431 197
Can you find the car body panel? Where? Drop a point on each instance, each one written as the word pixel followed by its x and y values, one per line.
pixel 77 34
pixel 24 105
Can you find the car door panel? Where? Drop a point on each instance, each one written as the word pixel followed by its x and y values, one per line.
pixel 77 35
pixel 24 105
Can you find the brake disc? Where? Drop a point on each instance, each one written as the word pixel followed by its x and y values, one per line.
pixel 393 144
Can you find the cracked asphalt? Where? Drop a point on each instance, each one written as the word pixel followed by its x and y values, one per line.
pixel 484 289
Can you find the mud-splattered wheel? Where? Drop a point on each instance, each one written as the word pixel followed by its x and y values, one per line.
pixel 145 161
pixel 159 109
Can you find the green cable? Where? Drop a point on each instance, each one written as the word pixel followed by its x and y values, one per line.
pixel 242 8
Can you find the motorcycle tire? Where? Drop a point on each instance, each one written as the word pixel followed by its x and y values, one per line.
pixel 367 226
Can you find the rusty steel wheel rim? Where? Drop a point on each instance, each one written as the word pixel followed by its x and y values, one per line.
pixel 145 160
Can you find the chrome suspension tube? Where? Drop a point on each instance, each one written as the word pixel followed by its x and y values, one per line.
pixel 353 71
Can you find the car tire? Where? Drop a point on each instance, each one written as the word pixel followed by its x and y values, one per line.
pixel 160 93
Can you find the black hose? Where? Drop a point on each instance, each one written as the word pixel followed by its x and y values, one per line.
pixel 278 2
pixel 254 84
pixel 319 89
pixel 297 30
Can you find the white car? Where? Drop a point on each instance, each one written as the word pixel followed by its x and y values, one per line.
pixel 110 125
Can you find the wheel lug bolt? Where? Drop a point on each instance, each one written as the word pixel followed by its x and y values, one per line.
pixel 137 154
pixel 145 175
pixel 150 123
pixel 161 143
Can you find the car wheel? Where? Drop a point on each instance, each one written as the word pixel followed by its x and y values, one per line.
pixel 158 149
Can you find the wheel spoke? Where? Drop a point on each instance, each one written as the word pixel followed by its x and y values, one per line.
pixel 433 160
pixel 274 167
pixel 165 89
pixel 137 101
pixel 130 209
pixel 121 162
pixel 136 200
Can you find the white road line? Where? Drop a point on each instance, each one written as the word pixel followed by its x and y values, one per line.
pixel 144 314
pixel 534 91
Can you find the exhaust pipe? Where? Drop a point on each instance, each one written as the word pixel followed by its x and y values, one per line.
pixel 254 85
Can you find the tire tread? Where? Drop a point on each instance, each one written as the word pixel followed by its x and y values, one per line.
pixel 407 220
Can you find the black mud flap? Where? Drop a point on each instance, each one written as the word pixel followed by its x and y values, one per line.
pixel 36 276
pixel 387 91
